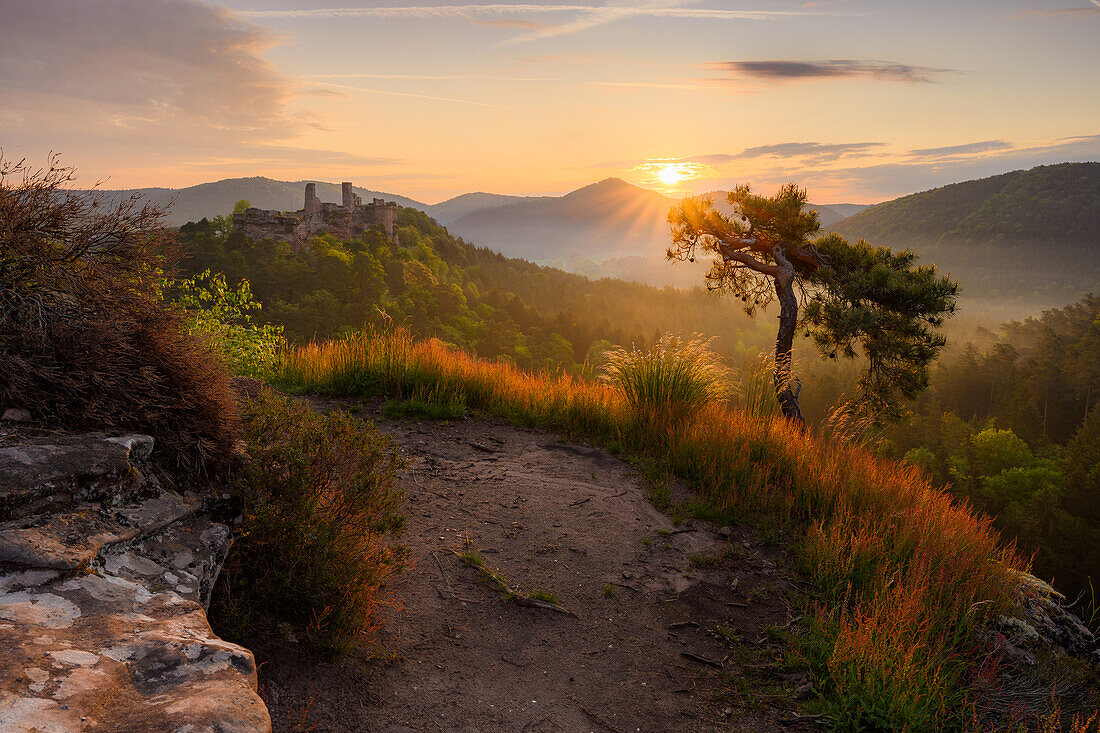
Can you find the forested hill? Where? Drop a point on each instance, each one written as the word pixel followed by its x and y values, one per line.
pixel 1027 237
pixel 439 285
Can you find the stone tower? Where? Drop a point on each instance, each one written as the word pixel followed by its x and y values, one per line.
pixel 311 197
pixel 349 197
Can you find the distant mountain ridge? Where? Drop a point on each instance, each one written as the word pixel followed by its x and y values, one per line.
pixel 1059 202
pixel 608 228
pixel 1029 236
pixel 218 197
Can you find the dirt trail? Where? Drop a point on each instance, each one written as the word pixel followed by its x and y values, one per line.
pixel 565 518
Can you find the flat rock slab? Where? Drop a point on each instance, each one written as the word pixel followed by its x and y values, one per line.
pixel 71 540
pixel 125 647
pixel 67 466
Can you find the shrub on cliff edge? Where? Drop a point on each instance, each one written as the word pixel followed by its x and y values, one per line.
pixel 87 340
pixel 316 547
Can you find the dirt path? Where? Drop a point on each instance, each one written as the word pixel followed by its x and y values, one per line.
pixel 645 650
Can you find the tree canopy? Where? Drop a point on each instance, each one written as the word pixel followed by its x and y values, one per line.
pixel 856 300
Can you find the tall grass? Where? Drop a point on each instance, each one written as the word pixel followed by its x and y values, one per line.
pixel 905 576
pixel 754 393
pixel 674 378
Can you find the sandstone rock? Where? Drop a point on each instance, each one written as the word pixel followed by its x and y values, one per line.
pixel 1043 620
pixel 69 468
pixel 16 414
pixel 66 541
pixel 102 606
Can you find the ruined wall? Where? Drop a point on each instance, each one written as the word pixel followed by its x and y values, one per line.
pixel 351 218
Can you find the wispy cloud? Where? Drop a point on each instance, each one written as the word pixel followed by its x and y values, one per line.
pixel 428 77
pixel 411 95
pixel 531 25
pixel 586 16
pixel 652 85
pixel 809 153
pixel 799 153
pixel 788 70
pixel 1093 9
pixel 984 146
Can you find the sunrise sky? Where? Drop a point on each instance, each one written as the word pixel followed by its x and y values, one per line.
pixel 858 100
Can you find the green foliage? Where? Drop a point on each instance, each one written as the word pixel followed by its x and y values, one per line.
pixel 438 285
pixel 224 317
pixel 879 304
pixel 995 451
pixel 316 548
pixel 673 379
pixel 1006 427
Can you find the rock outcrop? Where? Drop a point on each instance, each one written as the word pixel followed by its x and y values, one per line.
pixel 104 581
pixel 1042 620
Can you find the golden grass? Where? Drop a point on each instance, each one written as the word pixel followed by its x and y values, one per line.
pixel 904 574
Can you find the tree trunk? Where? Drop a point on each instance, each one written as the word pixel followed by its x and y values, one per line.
pixel 786 387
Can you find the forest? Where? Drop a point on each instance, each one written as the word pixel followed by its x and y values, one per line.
pixel 1011 423
pixel 439 285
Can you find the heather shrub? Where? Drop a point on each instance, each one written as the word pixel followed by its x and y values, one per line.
pixel 87 340
pixel 317 544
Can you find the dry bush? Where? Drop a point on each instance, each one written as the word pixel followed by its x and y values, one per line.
pixel 86 338
pixel 320 508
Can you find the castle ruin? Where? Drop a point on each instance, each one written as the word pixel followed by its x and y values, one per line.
pixel 349 218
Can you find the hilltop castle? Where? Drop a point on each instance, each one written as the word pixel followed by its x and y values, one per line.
pixel 349 218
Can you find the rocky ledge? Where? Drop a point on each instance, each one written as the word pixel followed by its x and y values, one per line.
pixel 104 581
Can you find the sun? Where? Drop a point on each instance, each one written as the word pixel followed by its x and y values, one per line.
pixel 670 174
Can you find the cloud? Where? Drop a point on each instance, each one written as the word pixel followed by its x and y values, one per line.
pixel 410 95
pixel 967 149
pixel 817 151
pixel 781 70
pixel 885 180
pixel 133 85
pixel 1094 9
pixel 427 77
pixel 586 16
pixel 530 25
pixel 151 60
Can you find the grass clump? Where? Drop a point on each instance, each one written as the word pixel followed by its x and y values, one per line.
pixel 427 407
pixel 671 380
pixel 546 596
pixel 317 546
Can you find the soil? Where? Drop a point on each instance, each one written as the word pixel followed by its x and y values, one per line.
pixel 667 626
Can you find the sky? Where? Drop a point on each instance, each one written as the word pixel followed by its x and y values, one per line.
pixel 857 100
